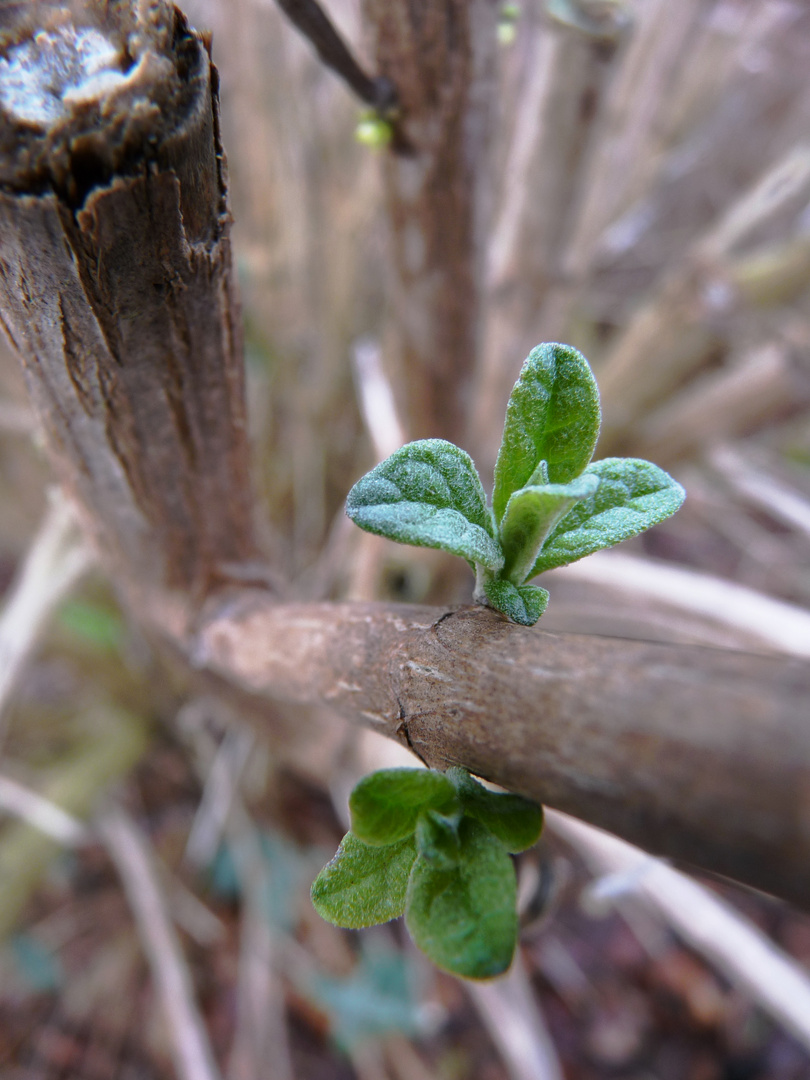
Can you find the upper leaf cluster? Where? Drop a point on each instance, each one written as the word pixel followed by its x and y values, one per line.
pixel 434 847
pixel 550 504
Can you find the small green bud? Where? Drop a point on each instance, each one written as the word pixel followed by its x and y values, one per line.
pixel 373 132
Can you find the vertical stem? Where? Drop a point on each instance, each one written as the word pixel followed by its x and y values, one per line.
pixel 440 56
pixel 116 288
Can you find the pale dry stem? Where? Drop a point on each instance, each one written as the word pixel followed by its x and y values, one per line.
pixel 724 937
pixel 57 559
pixel 776 625
pixel 44 814
pixel 516 1025
pixel 761 489
pixel 130 851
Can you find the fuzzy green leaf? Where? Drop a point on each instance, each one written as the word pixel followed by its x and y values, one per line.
pixel 531 514
pixel 553 415
pixel 429 494
pixel 437 839
pixel 364 885
pixel 464 918
pixel 517 822
pixel 632 496
pixel 523 604
pixel 385 805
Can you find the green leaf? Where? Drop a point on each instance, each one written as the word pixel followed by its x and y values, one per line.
pixel 553 416
pixel 385 805
pixel 364 885
pixel 523 604
pixel 428 493
pixel 464 919
pixel 437 839
pixel 517 822
pixel 539 477
pixel 632 496
pixel 531 514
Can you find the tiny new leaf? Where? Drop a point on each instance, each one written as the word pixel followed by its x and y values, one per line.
pixel 429 494
pixel 451 875
pixel 531 514
pixel 632 496
pixel 364 885
pixel 549 505
pixel 517 822
pixel 437 839
pixel 465 918
pixel 386 804
pixel 523 604
pixel 553 415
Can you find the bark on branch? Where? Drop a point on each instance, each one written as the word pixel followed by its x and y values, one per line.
pixel 115 287
pixel 693 753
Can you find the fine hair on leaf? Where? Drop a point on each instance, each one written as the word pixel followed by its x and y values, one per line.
pixel 551 504
pixel 451 875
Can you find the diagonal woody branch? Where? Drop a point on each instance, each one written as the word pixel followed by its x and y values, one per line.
pixel 696 753
pixel 116 289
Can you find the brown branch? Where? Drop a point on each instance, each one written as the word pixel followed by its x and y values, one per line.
pixel 115 286
pixel 693 753
pixel 440 57
pixel 313 22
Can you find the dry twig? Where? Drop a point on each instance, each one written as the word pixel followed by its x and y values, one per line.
pixel 724 937
pixel 776 624
pixel 42 813
pixel 517 1027
pixel 188 1038
pixel 56 560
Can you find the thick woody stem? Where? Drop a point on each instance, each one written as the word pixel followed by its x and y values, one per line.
pixel 116 288
pixel 693 753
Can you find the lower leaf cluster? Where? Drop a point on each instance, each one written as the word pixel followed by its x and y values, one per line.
pixel 435 848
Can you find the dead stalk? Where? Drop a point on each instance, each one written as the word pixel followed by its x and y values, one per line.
pixel 516 1025
pixel 724 937
pixel 129 850
pixel 56 560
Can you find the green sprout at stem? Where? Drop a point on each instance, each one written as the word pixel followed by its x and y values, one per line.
pixel 435 847
pixel 551 504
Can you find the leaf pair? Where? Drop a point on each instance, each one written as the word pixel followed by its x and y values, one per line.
pixel 550 506
pixel 434 847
